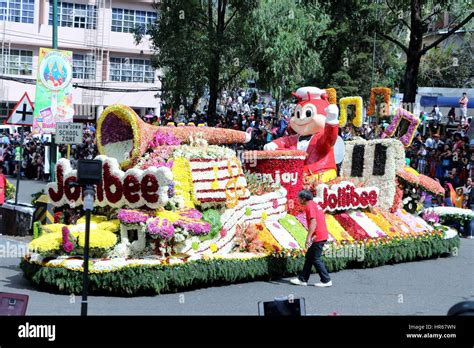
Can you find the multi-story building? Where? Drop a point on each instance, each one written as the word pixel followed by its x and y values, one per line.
pixel 99 33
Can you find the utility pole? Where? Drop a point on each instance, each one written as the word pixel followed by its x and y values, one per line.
pixel 53 156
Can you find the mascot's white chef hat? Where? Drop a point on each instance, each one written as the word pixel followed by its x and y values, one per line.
pixel 309 93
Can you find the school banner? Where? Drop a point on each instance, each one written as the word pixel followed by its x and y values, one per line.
pixel 53 102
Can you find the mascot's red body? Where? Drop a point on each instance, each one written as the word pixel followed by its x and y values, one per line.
pixel 316 123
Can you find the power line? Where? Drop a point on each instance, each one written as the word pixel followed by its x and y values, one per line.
pixel 77 85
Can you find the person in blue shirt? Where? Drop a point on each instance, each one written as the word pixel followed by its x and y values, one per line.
pixel 5 139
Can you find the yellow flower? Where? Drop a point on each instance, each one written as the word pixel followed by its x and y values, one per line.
pixel 46 243
pixel 183 181
pixel 98 239
pixel 169 215
pixel 112 225
pixel 264 215
pixel 52 228
pixel 213 247
pixel 344 103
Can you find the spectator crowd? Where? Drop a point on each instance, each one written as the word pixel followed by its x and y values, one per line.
pixel 31 163
pixel 438 151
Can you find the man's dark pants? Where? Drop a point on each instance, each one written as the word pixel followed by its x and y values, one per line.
pixel 313 257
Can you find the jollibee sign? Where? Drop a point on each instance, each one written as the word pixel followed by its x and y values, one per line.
pixel 345 196
pixel 134 188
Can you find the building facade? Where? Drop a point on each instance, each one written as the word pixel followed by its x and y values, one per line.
pixel 99 33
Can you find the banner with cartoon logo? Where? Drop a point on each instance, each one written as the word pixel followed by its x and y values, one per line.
pixel 53 102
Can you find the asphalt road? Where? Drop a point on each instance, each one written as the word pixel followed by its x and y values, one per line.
pixel 428 287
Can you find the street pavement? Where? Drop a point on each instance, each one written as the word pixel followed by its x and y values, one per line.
pixel 427 287
pixel 27 188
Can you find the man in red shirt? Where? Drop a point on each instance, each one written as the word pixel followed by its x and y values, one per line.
pixel 317 236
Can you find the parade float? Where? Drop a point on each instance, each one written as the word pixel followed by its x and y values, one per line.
pixel 177 209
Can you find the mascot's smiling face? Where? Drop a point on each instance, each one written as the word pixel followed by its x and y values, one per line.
pixel 309 116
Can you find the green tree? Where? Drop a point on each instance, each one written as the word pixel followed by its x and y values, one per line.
pixel 446 68
pixel 199 45
pixel 283 39
pixel 352 58
pixel 412 18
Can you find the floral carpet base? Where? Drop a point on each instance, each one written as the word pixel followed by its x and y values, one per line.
pixel 154 276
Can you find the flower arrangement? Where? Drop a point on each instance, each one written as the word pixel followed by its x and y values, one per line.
pixel 430 185
pixel 431 217
pixel 282 235
pixel 397 223
pixel 282 167
pixel 47 243
pixel 183 181
pixel 260 184
pixel 332 95
pixel 382 223
pixel 158 157
pixel 400 115
pixel 206 152
pixel 371 228
pixel 343 104
pixel 375 162
pixel 160 139
pixel 269 242
pixel 411 221
pixel 356 231
pixel 128 216
pixel 111 225
pixel 246 239
pixel 98 239
pixel 336 230
pixel 160 228
pixel 409 175
pixel 68 241
pixel 296 229
pixel 385 92
pixel 453 214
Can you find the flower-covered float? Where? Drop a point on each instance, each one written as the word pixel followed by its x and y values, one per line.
pixel 176 209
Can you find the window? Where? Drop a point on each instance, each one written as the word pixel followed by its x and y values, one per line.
pixel 83 66
pixel 21 11
pixel 16 62
pixel 125 21
pixel 6 109
pixel 74 15
pixel 131 70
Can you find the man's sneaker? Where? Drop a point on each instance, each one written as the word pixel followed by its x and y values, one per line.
pixel 324 285
pixel 296 281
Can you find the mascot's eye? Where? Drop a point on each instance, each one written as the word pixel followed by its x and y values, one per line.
pixel 308 113
pixel 297 114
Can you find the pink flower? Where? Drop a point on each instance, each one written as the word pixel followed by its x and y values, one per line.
pixel 223 232
pixel 128 216
pixel 68 247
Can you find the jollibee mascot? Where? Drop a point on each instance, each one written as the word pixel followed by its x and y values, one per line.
pixel 316 123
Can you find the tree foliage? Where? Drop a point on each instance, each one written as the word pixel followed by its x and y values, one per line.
pixel 285 36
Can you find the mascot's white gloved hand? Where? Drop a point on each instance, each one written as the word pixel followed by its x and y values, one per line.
pixel 270 146
pixel 332 115
pixel 248 137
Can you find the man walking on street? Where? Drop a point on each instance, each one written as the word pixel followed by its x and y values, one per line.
pixel 317 236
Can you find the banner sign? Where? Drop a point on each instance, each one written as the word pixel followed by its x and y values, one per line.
pixel 53 102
